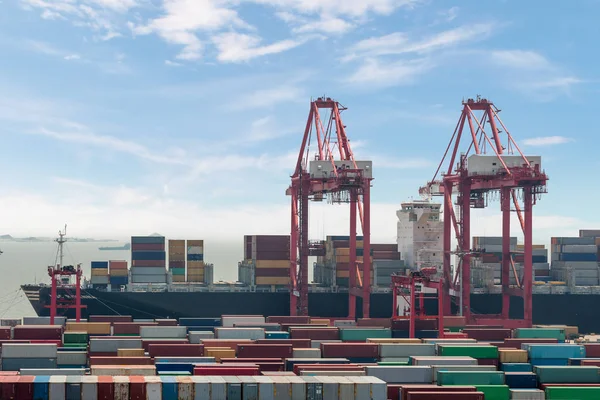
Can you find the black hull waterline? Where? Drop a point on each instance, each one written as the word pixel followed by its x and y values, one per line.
pixel 563 309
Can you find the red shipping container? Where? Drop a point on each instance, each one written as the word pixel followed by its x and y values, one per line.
pixel 516 343
pixel 13 342
pixel 350 350
pixel 341 244
pixel 148 263
pixel 226 343
pixel 110 318
pixel 5 333
pixel 233 371
pixel 542 272
pixel 405 389
pixel 107 360
pixel 327 367
pixel 9 373
pixel 595 363
pixel 147 247
pixel 445 396
pixel 148 342
pixel 8 387
pixel 137 388
pixel 272 272
pixel 272 255
pixel 386 255
pixel 321 333
pixel 296 343
pixel 58 343
pixel 265 350
pixel 166 322
pixel 488 361
pixel 264 364
pixel 375 322
pixel 420 324
pixel 393 391
pixel 456 335
pixel 24 388
pixel 176 350
pixel 105 388
pixel 28 332
pixel 488 333
pixel 592 350
pixel 120 328
pixel 483 327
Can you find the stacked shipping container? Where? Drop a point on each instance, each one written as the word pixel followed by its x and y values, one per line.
pixel 575 260
pixel 196 271
pixel 118 272
pixel 177 253
pixel 266 260
pixel 148 259
pixel 100 273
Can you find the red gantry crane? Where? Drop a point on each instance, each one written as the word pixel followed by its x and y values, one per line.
pixel 340 179
pixel 487 167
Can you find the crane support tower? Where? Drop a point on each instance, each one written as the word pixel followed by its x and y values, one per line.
pixel 332 174
pixel 64 294
pixel 484 166
pixel 406 287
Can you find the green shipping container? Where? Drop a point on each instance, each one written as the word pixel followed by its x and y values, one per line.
pixel 81 346
pixel 539 333
pixel 393 363
pixel 75 337
pixel 568 374
pixel 178 271
pixel 572 393
pixel 362 334
pixel 470 378
pixel 494 392
pixel 468 351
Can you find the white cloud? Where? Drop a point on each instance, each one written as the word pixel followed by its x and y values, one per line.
pixel 520 59
pixel 547 141
pixel 324 23
pixel 348 8
pixel 237 47
pixel 268 97
pixel 72 57
pixel 451 14
pixel 172 63
pixel 375 73
pixel 400 42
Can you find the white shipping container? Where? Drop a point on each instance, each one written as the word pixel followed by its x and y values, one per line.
pixel 154 388
pixel 162 278
pixel 444 360
pixel 57 389
pixel 89 387
pixel 240 333
pixel 52 371
pixel 163 332
pixel 378 387
pixel 307 353
pixel 231 320
pixel 10 322
pixel 195 250
pixel 401 373
pixel 44 320
pixel 527 394
pixel 71 358
pixel 29 350
pixel 123 370
pixel 579 248
pixel 305 372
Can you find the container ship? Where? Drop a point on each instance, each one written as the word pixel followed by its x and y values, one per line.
pixel 170 279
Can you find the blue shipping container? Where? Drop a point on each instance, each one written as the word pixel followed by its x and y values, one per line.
pixel 539 259
pixel 521 380
pixel 541 362
pixel 119 280
pixel 516 367
pixel 565 351
pixel 170 389
pixel 578 257
pixel 148 239
pixel 40 387
pixel 277 335
pixel 99 264
pixel 148 255
pixel 195 257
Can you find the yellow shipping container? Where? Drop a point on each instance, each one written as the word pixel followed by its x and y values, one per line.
pixel 342 251
pixel 219 352
pixel 342 259
pixel 262 280
pixel 178 278
pixel 176 243
pixel 512 355
pixel 99 271
pixel 195 243
pixel 320 321
pixel 92 328
pixel 195 264
pixel 130 352
pixel 535 246
pixel 272 263
pixel 118 272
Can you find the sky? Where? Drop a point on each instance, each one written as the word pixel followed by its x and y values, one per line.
pixel 185 117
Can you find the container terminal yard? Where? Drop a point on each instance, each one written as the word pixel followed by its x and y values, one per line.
pixel 421 319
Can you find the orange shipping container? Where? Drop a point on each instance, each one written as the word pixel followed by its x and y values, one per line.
pixel 178 278
pixel 272 280
pixel 272 263
pixel 117 264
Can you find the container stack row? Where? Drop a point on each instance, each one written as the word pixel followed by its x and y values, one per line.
pixel 575 260
pixel 177 251
pixel 148 260
pixel 334 267
pixel 196 269
pixel 119 274
pixel 100 277
pixel 288 358
pixel 266 261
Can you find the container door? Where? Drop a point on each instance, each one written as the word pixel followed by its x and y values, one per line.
pixel 40 388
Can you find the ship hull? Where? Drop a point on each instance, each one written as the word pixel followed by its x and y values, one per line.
pixel 564 309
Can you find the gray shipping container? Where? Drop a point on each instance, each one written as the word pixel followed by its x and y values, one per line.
pixel 112 345
pixel 71 358
pixel 589 233
pixel 148 270
pixel 100 280
pixel 579 248
pixel 44 320
pixel 574 240
pixel 29 350
pixel 240 333
pixel 53 371
pixel 163 332
pixel 307 353
pixel 401 374
pixel 196 337
pixel 162 278
pixel 406 349
pixel 15 364
pixel 10 321
pixel 527 394
pixel 444 360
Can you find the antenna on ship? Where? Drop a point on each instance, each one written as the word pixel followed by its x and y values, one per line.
pixel 61 240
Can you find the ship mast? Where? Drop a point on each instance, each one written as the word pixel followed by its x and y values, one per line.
pixel 61 240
